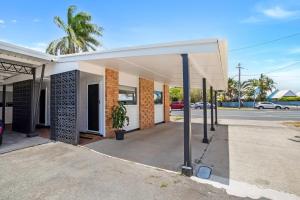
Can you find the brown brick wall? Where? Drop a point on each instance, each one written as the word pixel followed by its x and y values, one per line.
pixel 111 98
pixel 146 89
pixel 166 103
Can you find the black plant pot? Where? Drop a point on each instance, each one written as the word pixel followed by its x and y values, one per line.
pixel 120 134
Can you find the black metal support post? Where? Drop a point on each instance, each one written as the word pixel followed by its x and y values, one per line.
pixel 3 104
pixel 37 96
pixel 205 139
pixel 32 128
pixel 212 127
pixel 216 108
pixel 187 168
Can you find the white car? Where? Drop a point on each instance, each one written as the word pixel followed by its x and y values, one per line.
pixel 270 105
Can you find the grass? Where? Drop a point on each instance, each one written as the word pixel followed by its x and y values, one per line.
pixel 295 124
pixel 163 185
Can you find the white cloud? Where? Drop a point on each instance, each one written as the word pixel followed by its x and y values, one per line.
pixel 39 46
pixel 279 13
pixel 2 21
pixel 251 19
pixel 294 50
pixel 36 20
pixel 14 21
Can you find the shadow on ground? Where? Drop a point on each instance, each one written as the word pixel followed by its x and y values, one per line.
pixel 162 146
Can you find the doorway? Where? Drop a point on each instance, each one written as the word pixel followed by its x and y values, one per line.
pixel 42 117
pixel 93 107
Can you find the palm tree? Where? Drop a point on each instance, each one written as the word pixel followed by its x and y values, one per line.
pixel 80 34
pixel 265 85
pixel 232 89
pixel 248 88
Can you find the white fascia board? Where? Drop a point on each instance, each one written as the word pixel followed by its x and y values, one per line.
pixel 195 46
pixel 25 51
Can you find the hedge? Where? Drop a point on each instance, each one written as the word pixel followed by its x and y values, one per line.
pixel 289 99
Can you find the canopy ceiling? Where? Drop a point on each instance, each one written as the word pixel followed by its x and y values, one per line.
pixel 207 58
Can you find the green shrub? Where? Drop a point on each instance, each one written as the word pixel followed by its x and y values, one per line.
pixel 289 99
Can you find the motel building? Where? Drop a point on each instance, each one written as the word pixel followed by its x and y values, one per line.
pixel 73 94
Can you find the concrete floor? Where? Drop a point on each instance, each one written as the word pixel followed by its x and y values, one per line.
pixel 12 141
pixel 161 146
pixel 264 154
pixel 61 171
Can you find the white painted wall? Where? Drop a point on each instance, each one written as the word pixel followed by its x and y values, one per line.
pixel 85 79
pixel 126 79
pixel 158 108
pixel 8 114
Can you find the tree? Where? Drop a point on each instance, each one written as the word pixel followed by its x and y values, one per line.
pixel 265 85
pixel 232 89
pixel 196 95
pixel 176 94
pixel 248 88
pixel 80 34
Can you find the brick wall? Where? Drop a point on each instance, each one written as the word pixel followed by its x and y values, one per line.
pixel 111 98
pixel 146 89
pixel 166 103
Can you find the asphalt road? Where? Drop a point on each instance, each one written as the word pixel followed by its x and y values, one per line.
pixel 251 114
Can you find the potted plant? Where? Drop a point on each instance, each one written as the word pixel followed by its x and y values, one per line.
pixel 119 120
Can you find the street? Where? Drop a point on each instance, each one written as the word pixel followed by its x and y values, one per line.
pixel 248 114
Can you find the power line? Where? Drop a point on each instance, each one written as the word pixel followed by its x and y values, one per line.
pixel 265 43
pixel 275 70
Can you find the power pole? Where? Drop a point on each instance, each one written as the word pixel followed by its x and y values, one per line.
pixel 239 86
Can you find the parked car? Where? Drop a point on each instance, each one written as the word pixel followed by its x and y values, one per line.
pixel 270 105
pixel 199 105
pixel 177 105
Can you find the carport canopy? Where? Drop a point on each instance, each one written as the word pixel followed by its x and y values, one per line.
pixel 16 60
pixel 163 62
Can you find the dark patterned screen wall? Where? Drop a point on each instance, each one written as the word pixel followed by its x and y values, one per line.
pixel 22 95
pixel 64 107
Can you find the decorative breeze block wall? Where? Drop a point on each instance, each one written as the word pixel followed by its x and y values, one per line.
pixel 22 108
pixel 146 90
pixel 64 107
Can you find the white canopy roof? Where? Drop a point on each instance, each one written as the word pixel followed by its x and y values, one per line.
pixel 162 62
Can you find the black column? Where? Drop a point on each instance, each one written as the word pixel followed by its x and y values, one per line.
pixel 205 139
pixel 37 96
pixel 33 94
pixel 187 166
pixel 212 128
pixel 3 104
pixel 216 108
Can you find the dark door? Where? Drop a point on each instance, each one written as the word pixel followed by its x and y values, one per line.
pixel 42 107
pixel 93 107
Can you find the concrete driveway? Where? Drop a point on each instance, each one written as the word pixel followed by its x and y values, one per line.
pixel 161 146
pixel 263 154
pixel 62 171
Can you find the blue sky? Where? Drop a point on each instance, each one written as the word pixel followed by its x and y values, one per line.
pixel 135 22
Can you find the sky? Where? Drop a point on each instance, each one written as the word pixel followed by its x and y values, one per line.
pixel 243 23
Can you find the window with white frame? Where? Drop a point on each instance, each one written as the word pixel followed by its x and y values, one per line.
pixel 158 97
pixel 127 95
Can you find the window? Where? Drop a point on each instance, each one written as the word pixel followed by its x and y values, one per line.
pixel 127 95
pixel 158 97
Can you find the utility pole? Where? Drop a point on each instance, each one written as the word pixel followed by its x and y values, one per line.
pixel 239 86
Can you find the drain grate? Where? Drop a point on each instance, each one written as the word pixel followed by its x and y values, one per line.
pixel 204 172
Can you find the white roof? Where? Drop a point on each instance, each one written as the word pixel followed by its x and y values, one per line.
pixel 11 52
pixel 298 94
pixel 283 93
pixel 160 62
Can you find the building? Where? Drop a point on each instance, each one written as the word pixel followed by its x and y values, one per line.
pixel 76 93
pixel 277 94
